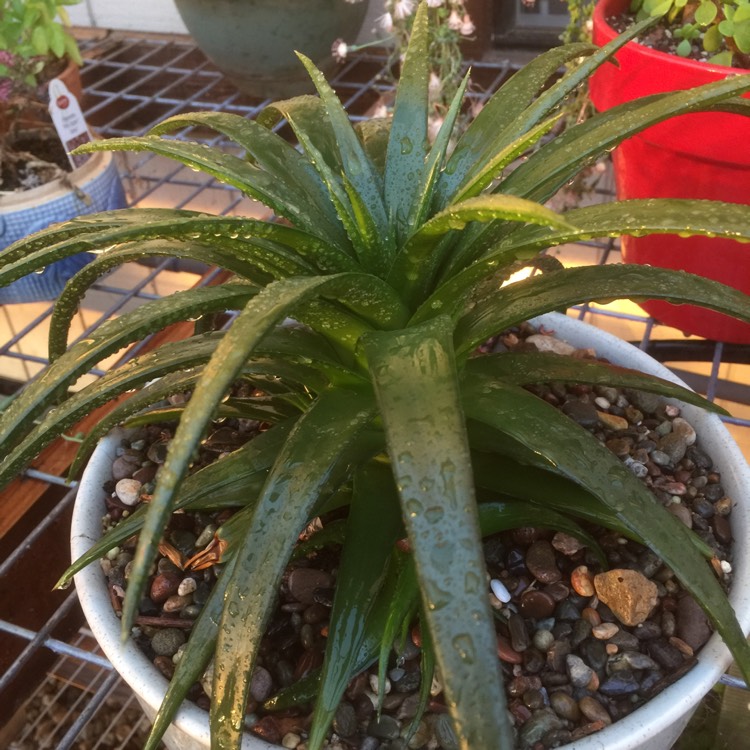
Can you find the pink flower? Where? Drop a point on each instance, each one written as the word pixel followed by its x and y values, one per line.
pixel 6 89
pixel 454 21
pixel 467 26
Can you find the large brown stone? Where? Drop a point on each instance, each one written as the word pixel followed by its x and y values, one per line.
pixel 628 593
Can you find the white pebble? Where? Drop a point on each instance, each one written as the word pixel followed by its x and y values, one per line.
pixel 682 427
pixel 128 491
pixel 187 586
pixel 495 603
pixel 726 567
pixel 290 740
pixel 375 684
pixel 602 403
pixel 550 344
pixel 499 590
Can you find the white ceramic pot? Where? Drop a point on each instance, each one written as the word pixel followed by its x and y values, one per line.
pixel 653 727
pixel 93 187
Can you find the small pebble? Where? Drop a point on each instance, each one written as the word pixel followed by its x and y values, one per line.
pixel 541 561
pixel 631 660
pixel 261 684
pixel 591 616
pixel 519 636
pixel 541 722
pixel 584 413
pixel 124 466
pixel 499 590
pixel 604 631
pixel 176 603
pixel 692 624
pixel 681 646
pixel 384 728
pixel 665 653
pixel 565 706
pixel 166 641
pixel 543 640
pixel 620 683
pixel 582 581
pixel 579 673
pixel 128 491
pixel 345 720
pixel 505 651
pixel 303 583
pixel 611 421
pixel 682 513
pixel 566 544
pixel 544 343
pixel 593 710
pixel 163 586
pixel 683 428
pixel 187 586
pixel 444 733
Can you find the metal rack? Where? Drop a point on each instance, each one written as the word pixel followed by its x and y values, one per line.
pixel 132 83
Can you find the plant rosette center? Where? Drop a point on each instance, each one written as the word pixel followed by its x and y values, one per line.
pixel 581 644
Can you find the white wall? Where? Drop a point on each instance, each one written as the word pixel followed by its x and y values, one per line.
pixel 136 15
pixel 159 15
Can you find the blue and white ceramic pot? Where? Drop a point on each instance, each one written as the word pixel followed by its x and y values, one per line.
pixel 93 187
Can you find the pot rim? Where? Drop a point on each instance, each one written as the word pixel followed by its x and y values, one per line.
pixel 12 200
pixel 630 733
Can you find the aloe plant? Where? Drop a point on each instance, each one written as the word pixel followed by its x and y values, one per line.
pixel 391 256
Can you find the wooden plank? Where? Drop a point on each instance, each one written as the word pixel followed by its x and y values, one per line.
pixel 21 494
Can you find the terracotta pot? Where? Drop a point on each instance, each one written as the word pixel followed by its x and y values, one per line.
pixel 702 155
pixel 36 118
pixel 253 41
pixel 655 726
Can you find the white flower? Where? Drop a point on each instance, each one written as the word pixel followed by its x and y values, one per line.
pixel 435 85
pixel 403 9
pixel 386 22
pixel 434 3
pixel 454 21
pixel 467 26
pixel 434 124
pixel 339 50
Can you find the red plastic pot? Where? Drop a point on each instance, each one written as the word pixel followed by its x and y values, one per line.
pixel 702 155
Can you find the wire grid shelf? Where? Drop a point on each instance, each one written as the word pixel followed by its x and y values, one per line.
pixel 132 83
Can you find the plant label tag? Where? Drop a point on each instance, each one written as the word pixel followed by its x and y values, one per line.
pixel 68 120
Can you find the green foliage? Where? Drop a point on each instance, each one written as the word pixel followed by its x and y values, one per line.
pixel 391 255
pixel 32 32
pixel 720 27
pixel 450 25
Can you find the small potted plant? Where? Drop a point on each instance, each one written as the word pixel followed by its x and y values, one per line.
pixel 38 184
pixel 700 156
pixel 390 258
